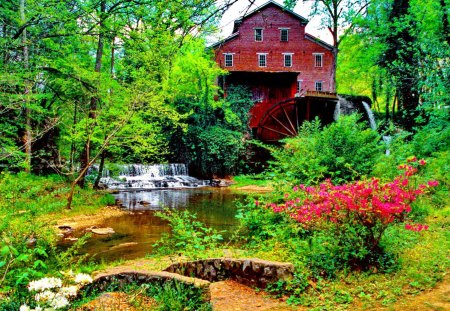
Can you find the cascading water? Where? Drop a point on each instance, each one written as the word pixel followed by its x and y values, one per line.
pixel 337 112
pixel 373 124
pixel 157 176
pixel 388 141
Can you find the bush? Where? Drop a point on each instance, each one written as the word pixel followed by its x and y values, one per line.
pixel 188 235
pixel 28 246
pixel 354 217
pixel 434 136
pixel 169 296
pixel 343 151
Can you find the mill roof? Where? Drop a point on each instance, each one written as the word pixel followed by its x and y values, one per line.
pixel 238 22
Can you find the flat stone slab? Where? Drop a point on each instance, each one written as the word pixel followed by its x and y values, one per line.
pixel 102 231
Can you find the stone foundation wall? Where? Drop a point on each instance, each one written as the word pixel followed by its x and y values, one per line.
pixel 253 272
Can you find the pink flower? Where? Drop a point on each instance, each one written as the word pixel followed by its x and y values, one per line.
pixel 433 183
pixel 422 162
pixel 257 203
pixel 416 227
pixel 411 159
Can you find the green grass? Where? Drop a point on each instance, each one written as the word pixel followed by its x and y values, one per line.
pixel 423 263
pixel 250 180
pixel 169 295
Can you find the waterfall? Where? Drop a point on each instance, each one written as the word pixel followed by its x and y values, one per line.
pixel 373 124
pixel 337 111
pixel 388 141
pixel 157 176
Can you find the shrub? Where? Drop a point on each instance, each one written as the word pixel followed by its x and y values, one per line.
pixel 434 136
pixel 354 216
pixel 188 235
pixel 343 151
pixel 28 245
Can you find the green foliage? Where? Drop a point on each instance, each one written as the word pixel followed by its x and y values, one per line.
pixel 28 247
pixel 342 151
pixel 177 296
pixel 216 141
pixel 216 150
pixel 169 295
pixel 381 58
pixel 250 180
pixel 188 235
pixel 434 136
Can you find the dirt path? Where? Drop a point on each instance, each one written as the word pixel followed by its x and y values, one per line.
pixel 232 296
pixel 436 299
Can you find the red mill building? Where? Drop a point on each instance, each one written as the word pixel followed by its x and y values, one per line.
pixel 288 71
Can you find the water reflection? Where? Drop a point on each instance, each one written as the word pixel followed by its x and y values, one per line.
pixel 136 232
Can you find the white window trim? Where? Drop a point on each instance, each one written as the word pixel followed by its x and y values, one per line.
pixel 259 54
pixel 321 61
pixel 284 28
pixel 321 85
pixel 284 59
pixel 225 59
pixel 298 86
pixel 262 34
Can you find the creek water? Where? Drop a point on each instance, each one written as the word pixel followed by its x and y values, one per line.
pixel 135 233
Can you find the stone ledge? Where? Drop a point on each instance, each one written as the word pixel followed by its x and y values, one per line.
pixel 247 271
pixel 138 277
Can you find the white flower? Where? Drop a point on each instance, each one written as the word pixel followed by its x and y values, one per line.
pixel 43 284
pixel 82 278
pixel 24 308
pixel 59 302
pixel 69 291
pixel 44 296
pixel 38 308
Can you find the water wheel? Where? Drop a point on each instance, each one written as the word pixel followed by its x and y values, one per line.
pixel 281 120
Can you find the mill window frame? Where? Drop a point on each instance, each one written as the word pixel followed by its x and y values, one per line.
pixel 284 34
pixel 319 86
pixel 228 59
pixel 259 34
pixel 299 86
pixel 262 59
pixel 318 60
pixel 288 59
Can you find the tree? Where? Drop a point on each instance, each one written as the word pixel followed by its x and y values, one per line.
pixel 71 70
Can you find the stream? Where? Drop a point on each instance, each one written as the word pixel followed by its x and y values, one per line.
pixel 135 233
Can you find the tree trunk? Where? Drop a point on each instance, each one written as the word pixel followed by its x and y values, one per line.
pixel 85 155
pixel 72 146
pixel 445 23
pixel 100 170
pixel 27 138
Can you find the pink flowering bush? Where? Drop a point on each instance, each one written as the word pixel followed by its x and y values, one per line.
pixel 357 213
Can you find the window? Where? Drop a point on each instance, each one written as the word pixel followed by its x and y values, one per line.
pixel 284 35
pixel 287 59
pixel 318 60
pixel 299 86
pixel 258 34
pixel 319 86
pixel 228 60
pixel 262 59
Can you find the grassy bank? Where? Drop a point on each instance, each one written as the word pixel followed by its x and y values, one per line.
pixel 30 207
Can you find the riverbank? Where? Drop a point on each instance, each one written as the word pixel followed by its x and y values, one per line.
pixel 94 218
